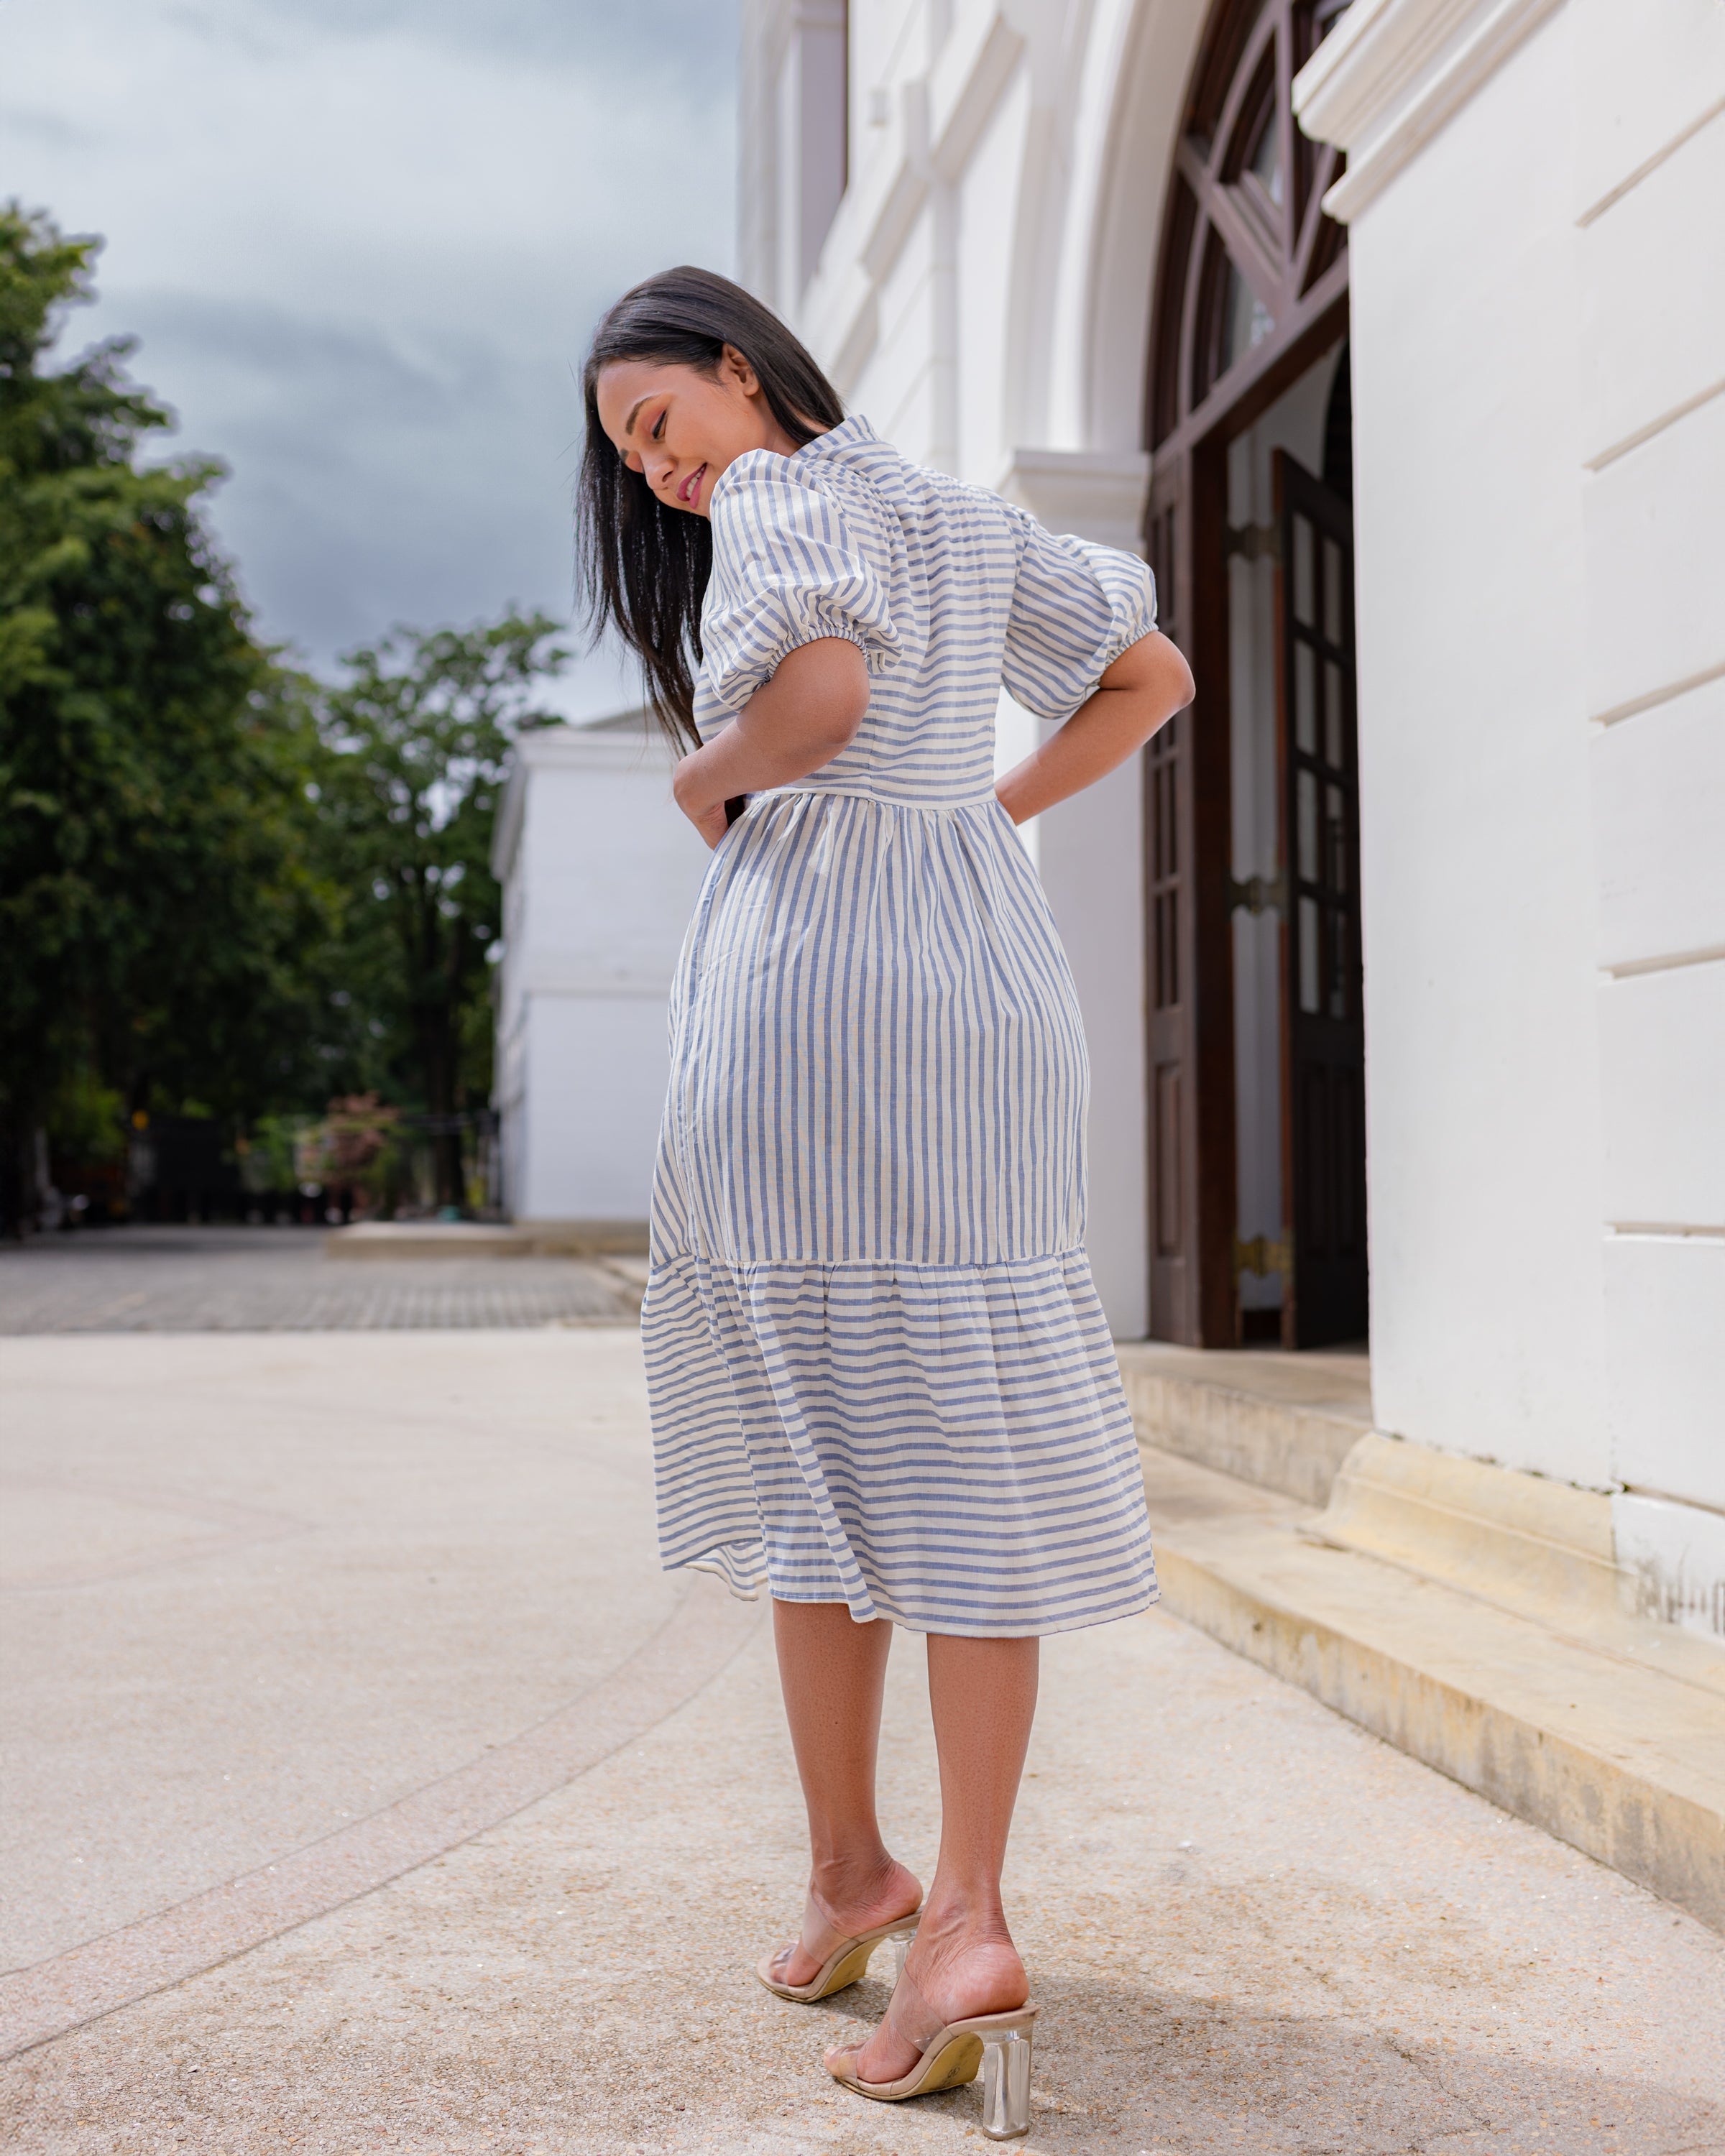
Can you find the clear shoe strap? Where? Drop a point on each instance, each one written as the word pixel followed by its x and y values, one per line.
pixel 821 1936
pixel 910 2014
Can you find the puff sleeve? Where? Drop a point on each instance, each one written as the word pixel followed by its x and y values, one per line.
pixel 1076 606
pixel 789 567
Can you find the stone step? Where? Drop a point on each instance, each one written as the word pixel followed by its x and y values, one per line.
pixel 1285 1422
pixel 427 1238
pixel 1472 1617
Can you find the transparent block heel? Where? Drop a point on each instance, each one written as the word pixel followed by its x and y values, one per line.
pixel 1006 2085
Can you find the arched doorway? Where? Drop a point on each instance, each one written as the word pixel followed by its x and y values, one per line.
pixel 1255 1058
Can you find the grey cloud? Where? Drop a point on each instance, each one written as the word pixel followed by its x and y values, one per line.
pixel 684 40
pixel 295 365
pixel 394 399
pixel 52 128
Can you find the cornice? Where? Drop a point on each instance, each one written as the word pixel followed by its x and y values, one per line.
pixel 1393 74
pixel 1098 494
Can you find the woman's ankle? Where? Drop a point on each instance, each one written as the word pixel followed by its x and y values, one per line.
pixel 953 1917
pixel 862 1881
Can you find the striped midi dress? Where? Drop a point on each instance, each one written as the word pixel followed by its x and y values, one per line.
pixel 878 1370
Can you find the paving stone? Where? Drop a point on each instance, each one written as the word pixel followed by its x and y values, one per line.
pixel 1252 1925
pixel 143 1279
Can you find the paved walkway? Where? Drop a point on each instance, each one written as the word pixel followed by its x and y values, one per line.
pixel 371 1789
pixel 144 1279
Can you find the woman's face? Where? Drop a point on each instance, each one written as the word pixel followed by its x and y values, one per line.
pixel 681 427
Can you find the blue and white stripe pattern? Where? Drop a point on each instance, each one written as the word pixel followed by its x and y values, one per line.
pixel 878 1368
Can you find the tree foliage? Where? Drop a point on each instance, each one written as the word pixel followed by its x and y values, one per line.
pixel 221 882
pixel 416 740
pixel 156 877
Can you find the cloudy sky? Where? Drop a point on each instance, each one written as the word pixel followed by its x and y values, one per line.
pixel 363 243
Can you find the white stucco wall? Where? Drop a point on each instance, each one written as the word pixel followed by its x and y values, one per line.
pixel 1477 867
pixel 1649 196
pixel 1539 355
pixel 600 877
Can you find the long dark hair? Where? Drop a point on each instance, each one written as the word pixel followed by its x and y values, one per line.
pixel 642 567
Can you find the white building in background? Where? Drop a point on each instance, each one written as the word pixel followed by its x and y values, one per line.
pixel 1397 333
pixel 600 874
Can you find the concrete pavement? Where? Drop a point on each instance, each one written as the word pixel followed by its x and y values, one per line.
pixel 380 1611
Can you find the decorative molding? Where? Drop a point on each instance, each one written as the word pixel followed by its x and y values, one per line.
pixel 1392 76
pixel 1613 196
pixel 1666 693
pixel 1656 426
pixel 1632 970
pixel 966 86
pixel 1668 1231
pixel 939 118
pixel 1098 494
pixel 579 973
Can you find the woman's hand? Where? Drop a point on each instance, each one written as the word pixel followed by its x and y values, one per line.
pixel 691 786
pixel 1143 689
pixel 795 722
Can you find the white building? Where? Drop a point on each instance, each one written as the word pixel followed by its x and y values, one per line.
pixel 1416 921
pixel 600 874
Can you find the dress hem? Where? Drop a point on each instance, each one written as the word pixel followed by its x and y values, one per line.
pixel 760 1588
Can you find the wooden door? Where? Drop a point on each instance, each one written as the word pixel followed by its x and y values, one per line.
pixel 1323 1036
pixel 1189 952
pixel 1251 290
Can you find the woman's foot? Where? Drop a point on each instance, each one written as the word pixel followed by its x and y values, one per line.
pixel 853 1903
pixel 961 1967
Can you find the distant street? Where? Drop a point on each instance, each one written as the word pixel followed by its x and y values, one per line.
pixel 147 1279
pixel 368 1787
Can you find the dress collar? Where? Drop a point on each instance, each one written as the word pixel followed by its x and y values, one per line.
pixel 852 434
pixel 848 438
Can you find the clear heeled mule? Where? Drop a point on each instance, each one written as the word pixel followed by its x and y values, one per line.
pixel 843 1956
pixel 950 2054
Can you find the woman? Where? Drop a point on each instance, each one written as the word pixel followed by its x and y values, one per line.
pixel 880 1380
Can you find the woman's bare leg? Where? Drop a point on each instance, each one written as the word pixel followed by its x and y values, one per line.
pixel 984 1696
pixel 833 1671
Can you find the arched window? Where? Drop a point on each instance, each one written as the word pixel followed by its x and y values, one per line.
pixel 1249 259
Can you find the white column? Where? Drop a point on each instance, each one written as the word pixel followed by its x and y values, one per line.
pixel 1090 853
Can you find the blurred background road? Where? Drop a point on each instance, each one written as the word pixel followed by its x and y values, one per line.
pixel 170 1279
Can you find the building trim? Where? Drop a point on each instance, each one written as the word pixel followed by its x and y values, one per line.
pixel 1392 76
pixel 1656 426
pixel 576 976
pixel 940 116
pixel 1633 968
pixel 1667 1231
pixel 1648 166
pixel 1666 693
pixel 966 83
pixel 1099 494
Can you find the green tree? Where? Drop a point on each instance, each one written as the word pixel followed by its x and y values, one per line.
pixel 157 883
pixel 417 739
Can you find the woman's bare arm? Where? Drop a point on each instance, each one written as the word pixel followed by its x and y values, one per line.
pixel 795 723
pixel 1144 687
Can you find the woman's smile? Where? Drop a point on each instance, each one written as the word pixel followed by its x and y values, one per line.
pixel 682 428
